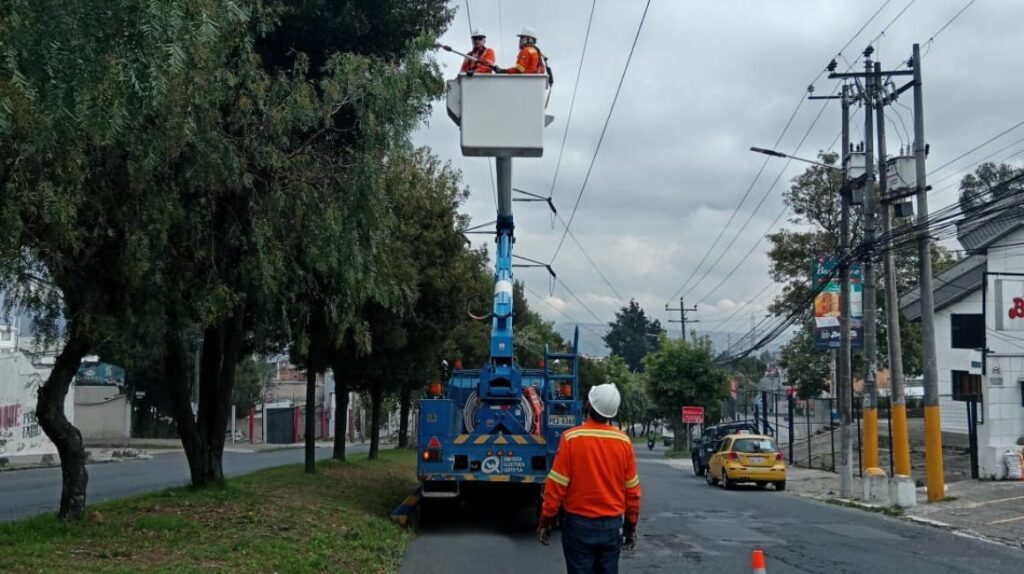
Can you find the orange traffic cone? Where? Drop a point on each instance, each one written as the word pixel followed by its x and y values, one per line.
pixel 758 560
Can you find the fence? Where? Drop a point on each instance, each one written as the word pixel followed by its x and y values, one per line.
pixel 807 431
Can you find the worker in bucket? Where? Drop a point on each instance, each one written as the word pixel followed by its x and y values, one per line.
pixel 594 479
pixel 482 60
pixel 530 59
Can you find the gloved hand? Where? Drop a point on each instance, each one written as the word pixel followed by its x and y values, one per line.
pixel 629 535
pixel 544 529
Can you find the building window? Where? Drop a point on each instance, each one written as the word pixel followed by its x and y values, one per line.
pixel 6 335
pixel 967 331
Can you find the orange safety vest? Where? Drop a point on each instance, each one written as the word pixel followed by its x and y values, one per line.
pixel 479 67
pixel 594 474
pixel 530 61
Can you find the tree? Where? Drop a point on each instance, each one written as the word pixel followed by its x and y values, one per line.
pixel 80 191
pixel 989 182
pixel 632 335
pixel 251 380
pixel 682 373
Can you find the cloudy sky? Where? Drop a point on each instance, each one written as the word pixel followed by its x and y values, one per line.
pixel 707 81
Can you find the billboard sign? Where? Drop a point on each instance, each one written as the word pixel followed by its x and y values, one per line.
pixel 693 415
pixel 826 304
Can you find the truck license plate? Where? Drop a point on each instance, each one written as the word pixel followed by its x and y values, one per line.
pixel 561 420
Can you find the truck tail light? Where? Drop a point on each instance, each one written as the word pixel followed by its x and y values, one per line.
pixel 432 455
pixel 566 390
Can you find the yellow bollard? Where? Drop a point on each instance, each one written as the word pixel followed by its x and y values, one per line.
pixel 933 453
pixel 900 441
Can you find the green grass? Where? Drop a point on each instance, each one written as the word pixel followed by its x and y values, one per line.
pixel 276 520
pixel 894 511
pixel 673 453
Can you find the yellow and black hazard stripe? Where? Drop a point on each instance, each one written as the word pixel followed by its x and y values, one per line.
pixel 484 477
pixel 486 439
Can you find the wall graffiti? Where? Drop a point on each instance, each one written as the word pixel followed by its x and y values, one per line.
pixel 20 433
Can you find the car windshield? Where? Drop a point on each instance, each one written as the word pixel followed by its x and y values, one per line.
pixel 753 445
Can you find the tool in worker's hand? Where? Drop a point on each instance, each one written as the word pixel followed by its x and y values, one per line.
pixel 447 48
pixel 544 535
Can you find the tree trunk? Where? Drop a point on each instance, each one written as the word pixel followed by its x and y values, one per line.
pixel 67 438
pixel 311 419
pixel 202 436
pixel 403 425
pixel 376 398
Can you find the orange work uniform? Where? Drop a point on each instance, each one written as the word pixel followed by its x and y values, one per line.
pixel 530 61
pixel 479 67
pixel 594 474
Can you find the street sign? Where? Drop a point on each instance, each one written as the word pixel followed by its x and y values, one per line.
pixel 693 415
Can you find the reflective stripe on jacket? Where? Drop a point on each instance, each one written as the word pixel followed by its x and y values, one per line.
pixel 529 61
pixel 594 474
pixel 479 67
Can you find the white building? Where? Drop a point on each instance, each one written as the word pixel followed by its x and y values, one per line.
pixel 979 332
pixel 21 375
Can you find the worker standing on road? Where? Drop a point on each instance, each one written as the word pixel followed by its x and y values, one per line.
pixel 594 479
pixel 530 59
pixel 484 62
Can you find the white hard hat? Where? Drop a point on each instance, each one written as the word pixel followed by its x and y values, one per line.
pixel 478 33
pixel 528 31
pixel 605 399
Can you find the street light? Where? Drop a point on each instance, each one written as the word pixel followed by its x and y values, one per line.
pixel 774 153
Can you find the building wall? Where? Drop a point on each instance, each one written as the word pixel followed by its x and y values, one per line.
pixel 948 359
pixel 20 433
pixel 1004 368
pixel 102 411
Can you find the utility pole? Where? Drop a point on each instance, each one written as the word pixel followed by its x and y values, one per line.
pixel 682 316
pixel 898 404
pixel 844 382
pixel 870 439
pixel 932 415
pixel 845 389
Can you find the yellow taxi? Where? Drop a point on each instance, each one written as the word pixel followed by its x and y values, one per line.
pixel 746 458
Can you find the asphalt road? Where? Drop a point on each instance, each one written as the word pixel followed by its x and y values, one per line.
pixel 25 493
pixel 687 525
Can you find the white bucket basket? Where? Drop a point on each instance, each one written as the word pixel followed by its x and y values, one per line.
pixel 499 114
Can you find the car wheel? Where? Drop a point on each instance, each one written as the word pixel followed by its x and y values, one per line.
pixel 698 470
pixel 780 485
pixel 710 478
pixel 726 483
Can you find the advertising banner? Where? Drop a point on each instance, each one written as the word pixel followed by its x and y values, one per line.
pixel 826 304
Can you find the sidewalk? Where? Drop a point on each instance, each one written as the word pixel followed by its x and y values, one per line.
pixel 989 509
pixel 101 451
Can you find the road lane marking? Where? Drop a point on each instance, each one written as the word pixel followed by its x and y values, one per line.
pixel 1005 520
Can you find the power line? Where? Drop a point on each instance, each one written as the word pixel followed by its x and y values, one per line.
pixel 572 101
pixel 764 164
pixel 950 21
pixel 580 301
pixel 604 129
pixel 592 263
pixel 977 147
pixel 562 313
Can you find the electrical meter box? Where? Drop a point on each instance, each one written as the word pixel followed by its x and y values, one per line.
pixel 902 174
pixel 500 115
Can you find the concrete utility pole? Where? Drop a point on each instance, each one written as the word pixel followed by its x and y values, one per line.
pixel 898 403
pixel 845 390
pixel 682 315
pixel 870 439
pixel 932 415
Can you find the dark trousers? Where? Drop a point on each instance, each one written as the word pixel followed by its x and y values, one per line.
pixel 591 545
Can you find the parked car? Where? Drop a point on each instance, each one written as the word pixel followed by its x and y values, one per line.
pixel 747 458
pixel 700 451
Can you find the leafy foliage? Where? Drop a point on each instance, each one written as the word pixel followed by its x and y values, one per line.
pixel 632 335
pixel 682 373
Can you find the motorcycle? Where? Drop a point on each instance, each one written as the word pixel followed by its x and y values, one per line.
pixel 650 444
